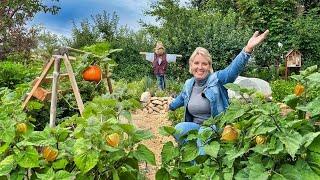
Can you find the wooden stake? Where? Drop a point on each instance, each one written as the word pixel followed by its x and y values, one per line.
pixel 73 83
pixel 42 76
pixel 54 95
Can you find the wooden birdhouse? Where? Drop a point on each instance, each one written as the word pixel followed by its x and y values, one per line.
pixel 293 58
pixel 293 61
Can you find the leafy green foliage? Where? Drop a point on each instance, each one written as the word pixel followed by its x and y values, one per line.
pixel 15 37
pixel 12 74
pixel 281 88
pixel 81 142
pixel 289 151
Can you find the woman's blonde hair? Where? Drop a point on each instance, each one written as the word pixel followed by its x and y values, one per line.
pixel 203 52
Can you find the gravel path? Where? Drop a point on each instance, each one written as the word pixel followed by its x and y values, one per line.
pixel 152 122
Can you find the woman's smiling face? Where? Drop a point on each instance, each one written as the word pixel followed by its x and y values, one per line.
pixel 200 67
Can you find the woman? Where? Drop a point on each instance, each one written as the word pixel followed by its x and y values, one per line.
pixel 204 95
pixel 160 64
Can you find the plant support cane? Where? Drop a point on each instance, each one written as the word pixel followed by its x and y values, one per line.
pixel 55 81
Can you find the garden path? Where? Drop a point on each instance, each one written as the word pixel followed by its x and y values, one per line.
pixel 152 122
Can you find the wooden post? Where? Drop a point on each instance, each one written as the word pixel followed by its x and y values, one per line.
pixel 54 94
pixel 108 79
pixel 42 76
pixel 143 53
pixel 73 83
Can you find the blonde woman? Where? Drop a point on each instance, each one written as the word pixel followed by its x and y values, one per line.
pixel 204 95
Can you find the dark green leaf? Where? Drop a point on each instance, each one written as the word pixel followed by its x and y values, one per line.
pixel 85 161
pixel 189 152
pixel 28 158
pixel 212 149
pixel 169 152
pixel 60 164
pixel 308 138
pixel 292 141
pixel 7 130
pixel 167 130
pixel 144 154
pixel 162 174
pixel 7 165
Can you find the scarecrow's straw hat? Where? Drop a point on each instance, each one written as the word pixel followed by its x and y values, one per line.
pixel 159 45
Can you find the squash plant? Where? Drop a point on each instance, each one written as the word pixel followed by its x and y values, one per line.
pixel 269 145
pixel 75 149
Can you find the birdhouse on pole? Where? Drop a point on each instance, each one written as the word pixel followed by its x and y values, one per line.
pixel 293 61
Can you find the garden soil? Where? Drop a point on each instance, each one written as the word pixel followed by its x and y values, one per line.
pixel 152 122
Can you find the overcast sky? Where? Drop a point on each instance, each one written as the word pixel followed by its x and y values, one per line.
pixel 129 12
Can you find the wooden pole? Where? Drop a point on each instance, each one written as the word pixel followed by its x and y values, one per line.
pixel 73 83
pixel 54 95
pixel 178 55
pixel 109 79
pixel 42 76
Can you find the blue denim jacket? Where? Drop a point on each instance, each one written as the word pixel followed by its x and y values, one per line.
pixel 214 90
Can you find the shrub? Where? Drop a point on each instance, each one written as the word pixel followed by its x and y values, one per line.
pixel 12 74
pixel 281 88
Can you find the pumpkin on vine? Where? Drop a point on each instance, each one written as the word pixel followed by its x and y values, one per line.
pixel 92 73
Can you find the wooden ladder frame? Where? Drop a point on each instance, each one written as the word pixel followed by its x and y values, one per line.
pixel 56 61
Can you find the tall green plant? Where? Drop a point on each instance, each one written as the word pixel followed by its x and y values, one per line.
pixel 263 143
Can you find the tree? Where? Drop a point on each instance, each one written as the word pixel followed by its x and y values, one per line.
pixel 106 24
pixel 183 29
pixel 14 36
pixel 85 35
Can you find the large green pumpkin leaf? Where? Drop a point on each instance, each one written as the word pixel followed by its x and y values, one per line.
pixel 301 170
pixel 308 138
pixel 314 162
pixel 64 175
pixel 212 149
pixel 292 141
pixel 85 161
pixel 144 154
pixel 140 135
pixel 60 175
pixel 169 152
pixel 257 171
pixel 7 165
pixel 189 152
pixel 162 174
pixel 315 77
pixel 7 130
pixel 167 130
pixel 243 174
pixel 313 107
pixel 49 175
pixel 28 158
pixel 38 138
pixel 314 146
pixel 85 157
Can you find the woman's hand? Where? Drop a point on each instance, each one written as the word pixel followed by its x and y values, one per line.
pixel 255 40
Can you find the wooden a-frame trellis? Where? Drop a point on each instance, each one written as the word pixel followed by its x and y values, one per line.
pixel 55 61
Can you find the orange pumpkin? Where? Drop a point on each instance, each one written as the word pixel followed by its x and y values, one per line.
pixel 229 133
pixel 298 89
pixel 22 127
pixel 260 139
pixel 49 153
pixel 113 139
pixel 92 73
